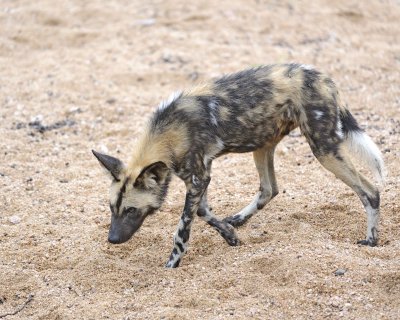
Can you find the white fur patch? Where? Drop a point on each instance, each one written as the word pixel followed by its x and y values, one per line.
pixel 372 221
pixel 220 144
pixel 250 209
pixel 339 128
pixel 361 145
pixel 307 67
pixel 166 103
pixel 213 110
pixel 195 180
pixel 318 114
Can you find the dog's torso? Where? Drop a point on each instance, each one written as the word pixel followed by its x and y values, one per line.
pixel 243 112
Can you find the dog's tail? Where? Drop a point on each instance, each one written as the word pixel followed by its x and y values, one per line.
pixel 361 146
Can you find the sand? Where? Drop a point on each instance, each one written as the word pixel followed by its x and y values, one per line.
pixel 82 75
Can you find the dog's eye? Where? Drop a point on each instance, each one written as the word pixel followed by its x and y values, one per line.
pixel 131 211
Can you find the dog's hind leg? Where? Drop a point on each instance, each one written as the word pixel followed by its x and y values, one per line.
pixel 343 169
pixel 264 160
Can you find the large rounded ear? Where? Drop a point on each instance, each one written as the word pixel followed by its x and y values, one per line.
pixel 111 164
pixel 155 174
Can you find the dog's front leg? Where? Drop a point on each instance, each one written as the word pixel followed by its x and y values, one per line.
pixel 196 189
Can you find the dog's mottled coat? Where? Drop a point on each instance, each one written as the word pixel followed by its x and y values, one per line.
pixel 249 111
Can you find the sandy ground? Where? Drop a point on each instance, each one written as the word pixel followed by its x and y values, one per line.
pixel 79 75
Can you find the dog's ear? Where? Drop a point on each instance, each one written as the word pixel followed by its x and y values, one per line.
pixel 151 176
pixel 113 165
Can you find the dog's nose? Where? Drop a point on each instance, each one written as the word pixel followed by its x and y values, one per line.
pixel 113 238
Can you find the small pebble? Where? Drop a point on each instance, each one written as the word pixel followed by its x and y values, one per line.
pixel 146 22
pixel 14 219
pixel 340 272
pixel 38 118
pixel 111 101
pixel 75 110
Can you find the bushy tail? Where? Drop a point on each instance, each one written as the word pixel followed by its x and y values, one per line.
pixel 360 145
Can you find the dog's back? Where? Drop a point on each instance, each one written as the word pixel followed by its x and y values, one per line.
pixel 242 112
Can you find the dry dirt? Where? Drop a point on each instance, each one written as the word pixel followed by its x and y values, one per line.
pixel 77 75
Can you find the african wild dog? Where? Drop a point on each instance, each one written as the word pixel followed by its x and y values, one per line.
pixel 247 111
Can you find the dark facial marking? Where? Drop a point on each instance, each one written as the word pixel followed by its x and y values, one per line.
pixel 120 195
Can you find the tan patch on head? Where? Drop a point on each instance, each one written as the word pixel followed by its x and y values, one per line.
pixel 138 198
pixel 132 197
pixel 115 189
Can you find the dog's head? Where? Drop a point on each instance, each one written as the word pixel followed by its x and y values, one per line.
pixel 133 197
